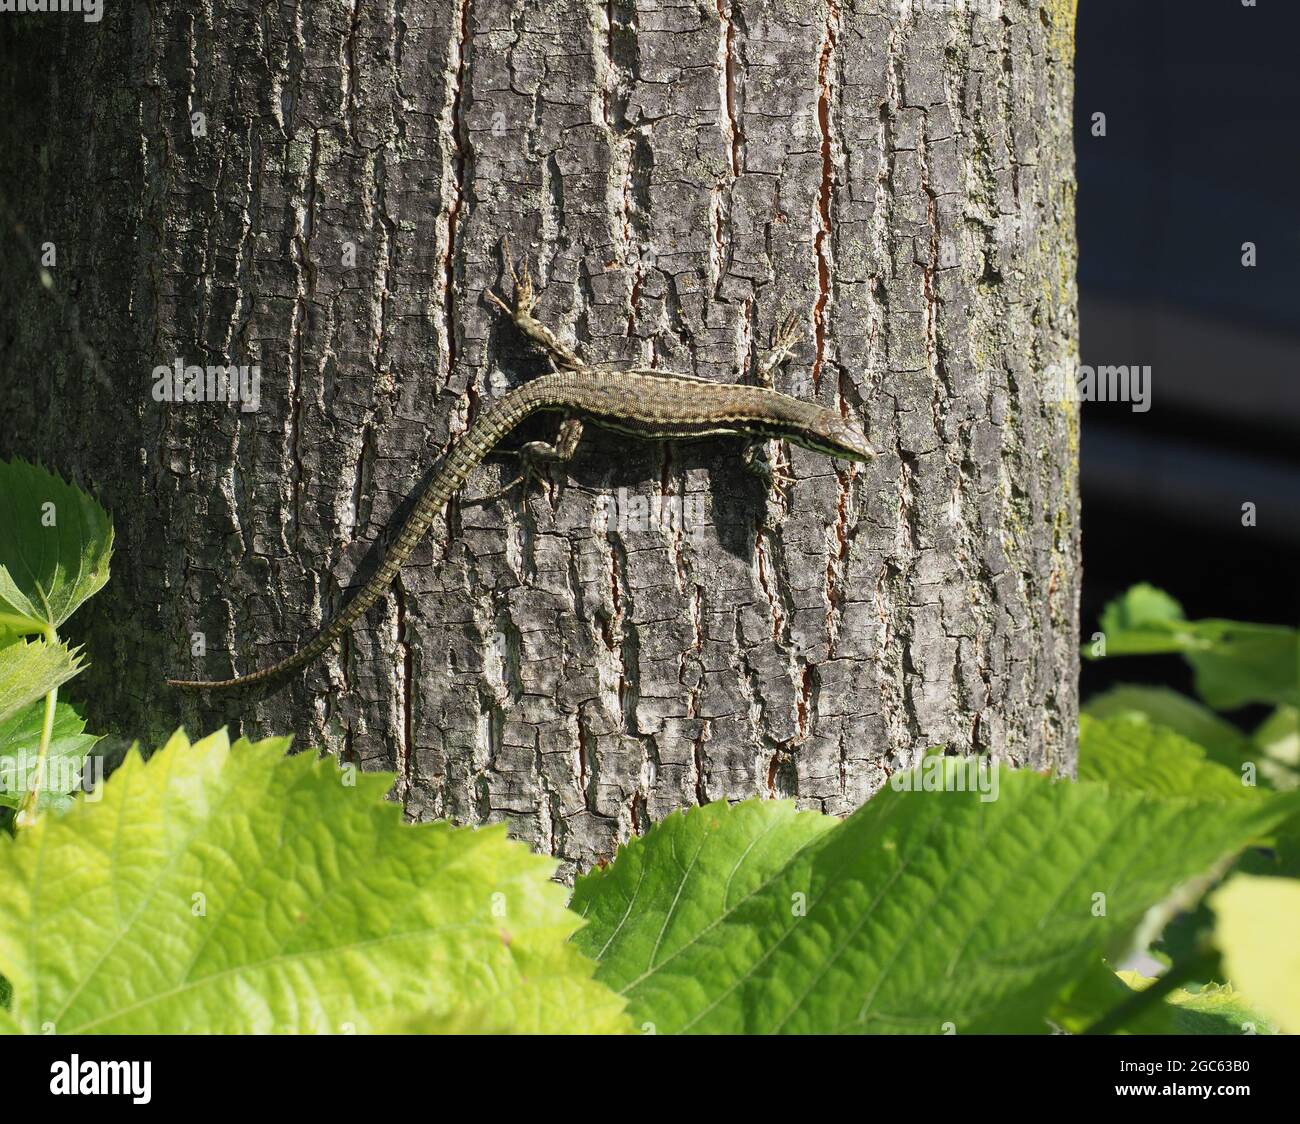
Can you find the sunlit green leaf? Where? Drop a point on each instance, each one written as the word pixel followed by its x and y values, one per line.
pixel 1211 1010
pixel 20 738
pixel 238 890
pixel 55 545
pixel 1132 753
pixel 30 669
pixel 922 912
pixel 1277 739
pixel 1257 920
pixel 1234 662
pixel 1221 740
pixel 1140 608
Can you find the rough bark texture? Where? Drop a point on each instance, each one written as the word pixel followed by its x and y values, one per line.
pixel 652 628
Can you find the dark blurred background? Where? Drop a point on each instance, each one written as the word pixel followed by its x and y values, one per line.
pixel 1201 154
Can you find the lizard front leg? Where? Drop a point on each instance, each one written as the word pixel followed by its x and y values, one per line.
pixel 520 312
pixel 757 459
pixel 784 340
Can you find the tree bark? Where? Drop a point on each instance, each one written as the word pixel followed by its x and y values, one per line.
pixel 651 628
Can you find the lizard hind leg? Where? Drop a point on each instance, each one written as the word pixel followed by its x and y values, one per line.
pixel 768 459
pixel 538 452
pixel 535 454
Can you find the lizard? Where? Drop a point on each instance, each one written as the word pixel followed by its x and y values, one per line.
pixel 644 403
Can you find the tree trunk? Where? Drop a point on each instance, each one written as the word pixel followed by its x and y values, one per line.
pixel 320 190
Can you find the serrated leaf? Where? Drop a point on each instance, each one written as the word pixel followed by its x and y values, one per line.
pixel 55 545
pixel 922 910
pixel 1215 1009
pixel 1132 753
pixel 317 908
pixel 1221 740
pixel 1256 922
pixel 686 871
pixel 31 669
pixel 20 739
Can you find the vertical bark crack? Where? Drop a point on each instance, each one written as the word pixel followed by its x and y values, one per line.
pixel 826 92
pixel 304 286
pixel 406 692
pixel 456 131
pixel 729 92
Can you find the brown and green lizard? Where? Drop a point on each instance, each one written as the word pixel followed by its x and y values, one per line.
pixel 644 403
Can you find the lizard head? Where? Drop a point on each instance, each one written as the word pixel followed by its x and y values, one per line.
pixel 830 433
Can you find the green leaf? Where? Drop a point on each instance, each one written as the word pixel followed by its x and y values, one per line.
pixel 1139 608
pixel 921 911
pixel 29 670
pixel 20 739
pixel 1237 663
pixel 1277 744
pixel 1257 920
pixel 1211 1010
pixel 1274 748
pixel 55 545
pixel 1277 739
pixel 675 883
pixel 1221 740
pixel 237 890
pixel 1234 663
pixel 1131 753
pixel 464 1021
pixel 559 1005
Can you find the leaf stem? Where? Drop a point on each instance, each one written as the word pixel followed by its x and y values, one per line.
pixel 28 812
pixel 25 626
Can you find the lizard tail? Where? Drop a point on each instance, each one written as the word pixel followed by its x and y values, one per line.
pixel 304 656
pixel 326 638
pixel 481 437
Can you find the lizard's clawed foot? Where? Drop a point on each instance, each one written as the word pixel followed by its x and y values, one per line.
pixel 768 469
pixel 785 338
pixel 524 297
pixel 559 355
